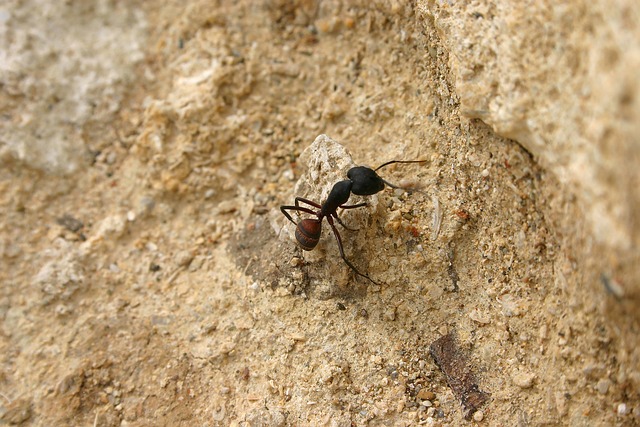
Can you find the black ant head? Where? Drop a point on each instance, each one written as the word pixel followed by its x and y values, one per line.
pixel 365 181
pixel 308 233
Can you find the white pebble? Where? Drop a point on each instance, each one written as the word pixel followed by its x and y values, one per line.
pixel 478 416
pixel 510 306
pixel 622 409
pixel 288 174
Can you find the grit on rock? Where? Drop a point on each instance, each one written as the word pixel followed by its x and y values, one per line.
pixel 148 276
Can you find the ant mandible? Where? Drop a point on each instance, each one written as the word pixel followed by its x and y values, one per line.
pixel 363 181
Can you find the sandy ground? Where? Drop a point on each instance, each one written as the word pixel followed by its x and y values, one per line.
pixel 149 278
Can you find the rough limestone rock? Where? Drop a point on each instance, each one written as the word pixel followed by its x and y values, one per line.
pixel 562 80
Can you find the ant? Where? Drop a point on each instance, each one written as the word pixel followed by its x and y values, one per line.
pixel 363 181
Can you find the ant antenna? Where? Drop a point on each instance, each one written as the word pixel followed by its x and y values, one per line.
pixel 399 161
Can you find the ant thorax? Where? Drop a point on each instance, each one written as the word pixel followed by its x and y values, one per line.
pixel 338 196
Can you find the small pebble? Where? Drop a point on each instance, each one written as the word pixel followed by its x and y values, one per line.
pixel 622 409
pixel 219 413
pixel 523 379
pixel 603 386
pixel 485 173
pixel 11 250
pixel 111 158
pixel 562 403
pixel 543 332
pixel 509 304
pixel 479 316
pixel 184 258
pixel 478 416
pixel 289 175
pixel 62 310
pixel 147 204
pixel 389 314
pixel 227 206
pixel 424 394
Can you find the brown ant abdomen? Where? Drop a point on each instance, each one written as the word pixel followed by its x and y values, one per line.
pixel 308 233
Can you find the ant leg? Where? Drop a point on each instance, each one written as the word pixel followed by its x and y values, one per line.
pixel 359 205
pixel 284 209
pixel 343 224
pixel 344 258
pixel 308 202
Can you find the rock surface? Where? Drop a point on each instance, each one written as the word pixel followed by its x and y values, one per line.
pixel 149 277
pixel 561 79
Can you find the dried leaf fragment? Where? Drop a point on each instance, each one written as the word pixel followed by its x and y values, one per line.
pixel 459 373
